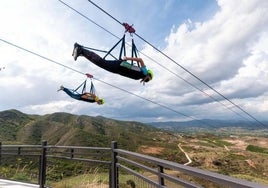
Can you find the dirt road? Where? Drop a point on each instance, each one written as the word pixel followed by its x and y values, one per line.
pixel 186 155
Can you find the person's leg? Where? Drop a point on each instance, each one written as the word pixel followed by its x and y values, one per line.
pixel 72 94
pixel 77 50
pixel 61 88
pixel 111 66
pixel 91 56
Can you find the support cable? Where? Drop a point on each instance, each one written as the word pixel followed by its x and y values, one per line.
pixel 172 72
pixel 48 59
pixel 88 18
pixel 192 74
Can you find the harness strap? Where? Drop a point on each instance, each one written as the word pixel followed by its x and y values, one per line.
pixel 134 51
pixel 92 88
pixel 122 50
pixel 84 86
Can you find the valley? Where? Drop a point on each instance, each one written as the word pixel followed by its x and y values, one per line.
pixel 240 152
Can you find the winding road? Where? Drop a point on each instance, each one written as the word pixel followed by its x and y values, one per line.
pixel 186 155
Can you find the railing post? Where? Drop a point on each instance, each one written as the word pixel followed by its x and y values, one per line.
pixel 19 150
pixel 114 170
pixel 160 178
pixel 42 169
pixel 72 153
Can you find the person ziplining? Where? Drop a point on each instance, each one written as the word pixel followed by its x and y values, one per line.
pixel 84 95
pixel 119 66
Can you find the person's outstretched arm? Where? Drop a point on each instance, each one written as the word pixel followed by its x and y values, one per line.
pixel 139 60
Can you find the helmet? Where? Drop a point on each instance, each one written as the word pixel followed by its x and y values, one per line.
pixel 101 101
pixel 150 74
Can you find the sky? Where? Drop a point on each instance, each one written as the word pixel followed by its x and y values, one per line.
pixel 209 58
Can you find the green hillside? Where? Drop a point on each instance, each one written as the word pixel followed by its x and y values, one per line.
pixel 69 129
pixel 239 155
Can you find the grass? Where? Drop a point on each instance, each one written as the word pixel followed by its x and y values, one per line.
pixel 85 180
pixel 257 149
pixel 251 178
pixel 92 180
pixel 219 143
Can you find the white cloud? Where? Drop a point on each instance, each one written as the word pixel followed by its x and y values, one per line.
pixel 222 53
pixel 228 51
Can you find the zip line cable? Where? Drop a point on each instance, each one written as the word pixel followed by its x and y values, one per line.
pixel 213 98
pixel 192 74
pixel 24 49
pixel 48 59
pixel 199 79
pixel 87 18
pixel 106 12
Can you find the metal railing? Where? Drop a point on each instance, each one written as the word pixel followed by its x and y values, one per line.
pixel 151 171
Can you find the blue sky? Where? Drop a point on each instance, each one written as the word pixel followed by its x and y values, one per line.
pixel 223 43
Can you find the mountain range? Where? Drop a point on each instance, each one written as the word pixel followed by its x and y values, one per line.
pixel 232 155
pixel 68 129
pixel 209 125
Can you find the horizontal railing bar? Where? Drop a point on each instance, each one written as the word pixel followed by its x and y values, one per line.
pixel 218 178
pixel 151 182
pixel 138 165
pixel 98 152
pixel 16 154
pixel 80 159
pixel 48 147
pixel 21 146
pixel 19 151
pixel 179 181
pixel 153 171
pixel 80 154
pixel 77 147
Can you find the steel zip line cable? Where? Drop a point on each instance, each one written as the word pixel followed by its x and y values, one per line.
pixel 229 108
pixel 213 98
pixel 196 77
pixel 48 59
